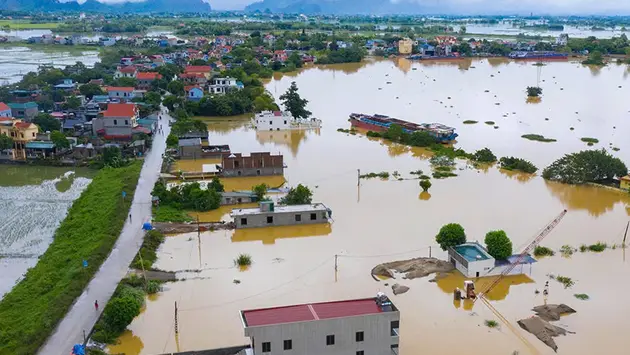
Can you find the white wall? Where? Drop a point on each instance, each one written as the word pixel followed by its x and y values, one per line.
pixel 309 338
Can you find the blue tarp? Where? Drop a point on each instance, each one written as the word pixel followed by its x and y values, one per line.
pixel 78 349
pixel 147 226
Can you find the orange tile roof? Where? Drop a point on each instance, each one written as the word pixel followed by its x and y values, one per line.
pixel 191 75
pixel 190 87
pixel 23 125
pixel 129 69
pixel 198 69
pixel 148 76
pixel 4 107
pixel 120 110
pixel 120 88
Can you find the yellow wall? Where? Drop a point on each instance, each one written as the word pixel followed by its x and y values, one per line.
pixel 405 46
pixel 625 184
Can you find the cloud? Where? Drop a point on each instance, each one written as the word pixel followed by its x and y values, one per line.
pixel 536 6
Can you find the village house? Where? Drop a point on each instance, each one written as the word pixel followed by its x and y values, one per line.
pixel 280 56
pixel 21 132
pixel 237 197
pixel 146 79
pixel 118 121
pixel 256 164
pixel 405 46
pixel 223 85
pixel 350 327
pixel 126 61
pixel 193 92
pixel 473 260
pixel 40 149
pixel 5 110
pixel 269 214
pixel 193 79
pixel 269 39
pixel 205 70
pixel 122 93
pixel 624 182
pixel 126 72
pixel 25 110
pixel 66 85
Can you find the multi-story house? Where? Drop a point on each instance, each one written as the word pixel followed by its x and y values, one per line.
pixel 126 72
pixel 118 121
pixel 352 327
pixel 146 79
pixel 223 85
pixel 25 110
pixel 5 110
pixel 122 93
pixel 256 164
pixel 206 70
pixel 21 132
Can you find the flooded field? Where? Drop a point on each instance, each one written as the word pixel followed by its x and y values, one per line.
pixel 381 221
pixel 33 201
pixel 15 62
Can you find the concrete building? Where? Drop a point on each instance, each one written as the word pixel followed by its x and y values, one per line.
pixel 146 79
pixel 268 214
pixel 237 197
pixel 126 72
pixel 223 85
pixel 204 70
pixel 118 121
pixel 405 46
pixel 21 133
pixel 257 164
pixel 624 182
pixel 473 260
pixel 122 93
pixel 189 148
pixel 193 92
pixel 5 110
pixel 367 326
pixel 25 110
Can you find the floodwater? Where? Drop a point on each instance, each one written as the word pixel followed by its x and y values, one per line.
pixel 386 220
pixel 15 62
pixel 572 31
pixel 34 201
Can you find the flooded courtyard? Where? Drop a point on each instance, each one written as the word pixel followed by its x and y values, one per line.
pixel 387 220
pixel 33 201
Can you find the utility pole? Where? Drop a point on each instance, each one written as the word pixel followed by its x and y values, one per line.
pixel 336 257
pixel 429 251
pixel 623 244
pixel 176 327
pixel 84 338
pixel 144 272
pixel 358 177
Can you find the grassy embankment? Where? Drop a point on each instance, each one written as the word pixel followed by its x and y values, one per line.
pixel 31 311
pixel 26 25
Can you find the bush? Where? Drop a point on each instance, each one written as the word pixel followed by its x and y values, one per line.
pixel 534 91
pixel 382 175
pixel 168 213
pixel 424 177
pixel 470 122
pixel 598 248
pixel 425 185
pixel 543 251
pixel 450 235
pixel 120 311
pixel 583 248
pixel 581 296
pixel 591 141
pixel 152 241
pixel 538 138
pixel 489 123
pixel 243 260
pixel 585 166
pixel 417 172
pixel 484 155
pixel 153 287
pixel 564 280
pixel 300 195
pixel 567 250
pixel 32 310
pixel 513 163
pixel 443 174
pixel 498 244
pixel 172 140
pixel 491 323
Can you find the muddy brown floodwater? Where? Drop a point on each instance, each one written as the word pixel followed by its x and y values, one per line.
pixel 383 221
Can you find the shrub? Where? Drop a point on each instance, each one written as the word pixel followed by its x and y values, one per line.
pixel 513 163
pixel 484 155
pixel 543 251
pixel 442 174
pixel 567 250
pixel 425 185
pixel 166 213
pixel 300 195
pixel 566 281
pixel 489 123
pixel 538 138
pixel 581 296
pixel 498 244
pixel 243 260
pixel 589 140
pixel 124 306
pixel 424 177
pixel 491 323
pixel 450 235
pixel 534 91
pixel 382 175
pixel 598 248
pixel 583 248
pixel 417 172
pixel 470 122
pixel 152 241
pixel 153 286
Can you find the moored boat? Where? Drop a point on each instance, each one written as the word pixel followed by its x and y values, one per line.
pixel 435 57
pixel 381 123
pixel 537 55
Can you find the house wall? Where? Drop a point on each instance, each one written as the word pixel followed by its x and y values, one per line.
pixel 190 152
pixel 5 113
pixel 253 172
pixel 28 114
pixel 481 266
pixel 309 338
pixel 231 200
pixel 281 219
pixel 257 164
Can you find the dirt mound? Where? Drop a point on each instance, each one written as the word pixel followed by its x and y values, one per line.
pixel 543 330
pixel 398 289
pixel 552 312
pixel 413 268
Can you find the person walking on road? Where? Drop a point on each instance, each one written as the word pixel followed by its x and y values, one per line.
pixel 130 217
pixel 96 305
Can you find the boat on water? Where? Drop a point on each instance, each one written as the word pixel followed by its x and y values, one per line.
pixel 381 123
pixel 537 55
pixel 283 120
pixel 435 57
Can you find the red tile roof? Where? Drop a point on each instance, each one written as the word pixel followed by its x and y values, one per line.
pixel 310 312
pixel 198 69
pixel 128 69
pixel 23 125
pixel 120 110
pixel 191 75
pixel 4 107
pixel 120 88
pixel 148 76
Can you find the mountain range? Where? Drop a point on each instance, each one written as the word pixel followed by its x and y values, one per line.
pixel 146 6
pixel 367 7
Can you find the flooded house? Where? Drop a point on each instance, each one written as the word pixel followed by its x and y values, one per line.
pixel 357 326
pixel 194 148
pixel 473 260
pixel 269 214
pixel 256 164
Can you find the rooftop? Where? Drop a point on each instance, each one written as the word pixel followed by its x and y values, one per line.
pixel 527 259
pixel 148 76
pixel 120 88
pixel 25 105
pixel 120 110
pixel 4 107
pixel 315 207
pixel 472 251
pixel 189 142
pixel 198 69
pixel 129 69
pixel 39 145
pixel 311 312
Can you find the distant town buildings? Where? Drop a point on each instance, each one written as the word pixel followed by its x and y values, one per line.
pixel 223 85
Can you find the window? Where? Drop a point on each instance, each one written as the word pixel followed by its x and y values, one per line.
pixel 227 200
pixel 126 122
pixel 266 347
pixel 358 337
pixel 269 219
pixel 285 121
pixel 288 344
pixel 236 164
pixel 313 216
pixel 243 221
pixel 115 122
pixel 298 218
pixel 33 134
pixel 360 352
pixel 239 200
pixel 330 340
pixel 257 172
pixel 22 134
pixel 394 328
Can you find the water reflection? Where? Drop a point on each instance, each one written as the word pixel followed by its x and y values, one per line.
pixel 497 62
pixel 291 138
pixel 270 234
pixel 595 200
pixel 424 196
pixel 220 214
pixel 128 344
pixel 403 64
pixel 517 175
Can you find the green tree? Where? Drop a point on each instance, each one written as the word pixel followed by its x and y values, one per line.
pixel 59 139
pixel 6 142
pixel 585 166
pixel 126 82
pixel 450 235
pixel 294 103
pixel 120 311
pixel 112 156
pixel 89 90
pixel 216 185
pixel 484 155
pixel 512 163
pixel 172 140
pixel 300 195
pixel 176 88
pixel 534 91
pixel 152 98
pixel 72 102
pixel 421 139
pixel 260 191
pixel 498 244
pixel 425 185
pixel 295 59
pixel 46 122
pixel 171 101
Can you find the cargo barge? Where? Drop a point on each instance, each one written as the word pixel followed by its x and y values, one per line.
pixel 538 56
pixel 381 123
pixel 435 57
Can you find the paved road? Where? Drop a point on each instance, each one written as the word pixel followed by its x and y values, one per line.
pixel 82 316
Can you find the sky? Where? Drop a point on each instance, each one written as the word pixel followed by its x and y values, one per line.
pixel 621 7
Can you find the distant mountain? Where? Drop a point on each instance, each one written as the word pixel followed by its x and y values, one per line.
pixel 93 5
pixel 344 6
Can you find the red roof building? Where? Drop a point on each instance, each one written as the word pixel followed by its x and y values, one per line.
pixel 206 70
pixel 5 110
pixel 119 88
pixel 128 70
pixel 148 76
pixel 120 110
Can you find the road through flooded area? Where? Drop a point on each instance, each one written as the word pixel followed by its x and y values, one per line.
pixel 386 220
pixel 33 201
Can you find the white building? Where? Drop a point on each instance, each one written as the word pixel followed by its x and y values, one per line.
pixel 223 85
pixel 562 40
pixel 353 327
pixel 282 120
pixel 473 260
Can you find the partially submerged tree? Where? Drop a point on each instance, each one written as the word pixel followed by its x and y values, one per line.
pixel 498 244
pixel 484 155
pixel 450 235
pixel 534 91
pixel 425 185
pixel 216 185
pixel 300 195
pixel 585 166
pixel 172 140
pixel 294 103
pixel 260 191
